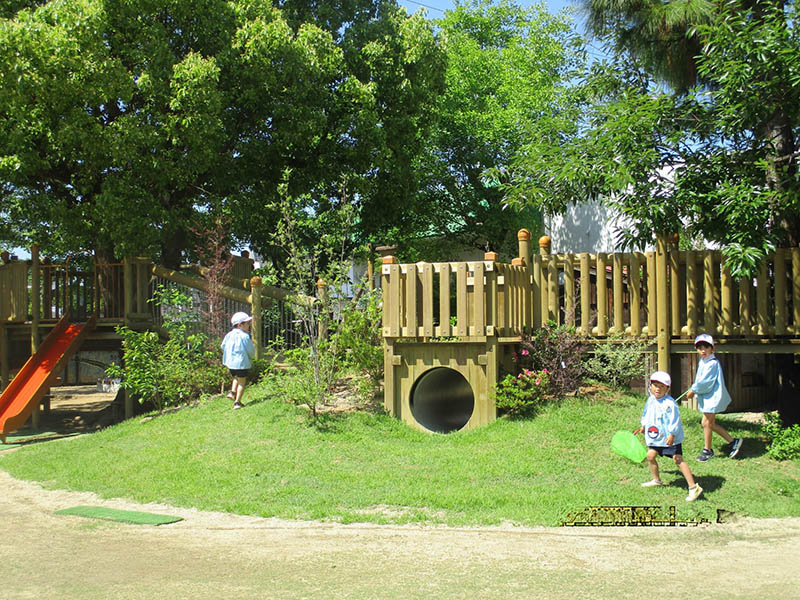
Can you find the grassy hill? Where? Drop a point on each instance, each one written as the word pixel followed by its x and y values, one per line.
pixel 360 467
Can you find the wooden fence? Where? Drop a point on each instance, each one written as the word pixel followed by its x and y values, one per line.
pixel 35 294
pixel 667 296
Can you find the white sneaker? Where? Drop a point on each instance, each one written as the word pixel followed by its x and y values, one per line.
pixel 694 493
pixel 653 483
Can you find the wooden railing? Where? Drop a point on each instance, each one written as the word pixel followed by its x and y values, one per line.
pixel 666 295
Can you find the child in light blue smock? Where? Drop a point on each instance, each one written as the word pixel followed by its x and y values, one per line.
pixel 663 433
pixel 712 397
pixel 238 352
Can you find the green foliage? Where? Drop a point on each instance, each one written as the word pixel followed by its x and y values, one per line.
pixel 320 264
pixel 359 338
pixel 522 395
pixel 167 373
pixel 164 111
pixel 260 369
pixel 716 162
pixel 783 442
pixel 617 361
pixel 306 384
pixel 507 67
pixel 558 350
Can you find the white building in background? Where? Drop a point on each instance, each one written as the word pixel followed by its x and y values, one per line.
pixel 584 227
pixel 592 227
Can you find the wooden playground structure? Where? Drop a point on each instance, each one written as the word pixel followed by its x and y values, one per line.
pixel 40 300
pixel 449 328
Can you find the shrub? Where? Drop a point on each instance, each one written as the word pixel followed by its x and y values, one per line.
pixel 359 336
pixel 523 394
pixel 309 380
pixel 557 349
pixel 178 370
pixel 783 442
pixel 617 361
pixel 166 373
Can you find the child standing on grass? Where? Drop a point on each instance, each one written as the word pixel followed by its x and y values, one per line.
pixel 712 397
pixel 238 352
pixel 663 432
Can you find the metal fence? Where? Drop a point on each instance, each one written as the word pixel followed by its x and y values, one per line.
pixel 281 325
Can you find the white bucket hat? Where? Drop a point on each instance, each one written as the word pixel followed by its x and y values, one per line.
pixel 239 318
pixel 661 377
pixel 704 337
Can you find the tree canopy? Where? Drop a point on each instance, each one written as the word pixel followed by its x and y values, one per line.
pixel 123 121
pixel 507 72
pixel 717 162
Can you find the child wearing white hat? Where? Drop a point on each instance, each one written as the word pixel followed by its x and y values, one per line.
pixel 712 398
pixel 663 433
pixel 238 352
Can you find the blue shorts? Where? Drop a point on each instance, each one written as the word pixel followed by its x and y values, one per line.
pixel 668 450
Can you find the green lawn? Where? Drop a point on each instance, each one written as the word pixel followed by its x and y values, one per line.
pixel 264 460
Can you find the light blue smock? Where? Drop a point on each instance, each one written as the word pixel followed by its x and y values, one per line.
pixel 660 418
pixel 238 349
pixel 709 385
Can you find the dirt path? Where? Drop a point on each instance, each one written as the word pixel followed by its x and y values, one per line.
pixel 218 555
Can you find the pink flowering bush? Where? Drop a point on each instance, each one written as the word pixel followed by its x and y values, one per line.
pixel 522 394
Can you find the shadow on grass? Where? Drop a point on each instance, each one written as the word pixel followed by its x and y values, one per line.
pixel 709 483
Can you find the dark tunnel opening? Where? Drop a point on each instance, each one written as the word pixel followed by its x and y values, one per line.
pixel 442 400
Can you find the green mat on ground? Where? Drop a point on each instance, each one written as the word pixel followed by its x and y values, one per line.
pixel 124 516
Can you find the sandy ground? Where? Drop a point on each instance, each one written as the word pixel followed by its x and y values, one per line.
pixel 219 555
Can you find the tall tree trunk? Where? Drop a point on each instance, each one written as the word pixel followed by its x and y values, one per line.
pixel 781 175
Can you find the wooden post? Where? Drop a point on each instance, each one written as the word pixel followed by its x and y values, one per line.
pixel 552 290
pixel 635 294
pixel 780 291
pixel 796 290
pixel 36 295
pixel 709 323
pixel 726 300
pixel 618 327
pixel 491 293
pixel 652 309
pixel 36 310
pixel 370 267
pixel 544 256
pixel 255 309
pixel 586 295
pixel 691 296
pixel 602 294
pixel 674 287
pixel 322 323
pixel 426 278
pixel 762 299
pixel 662 303
pixel 4 364
pixel 462 304
pixel 524 243
pixel 569 290
pixel 390 319
pixel 128 283
pixel 444 298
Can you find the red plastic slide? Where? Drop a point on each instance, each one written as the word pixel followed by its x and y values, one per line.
pixel 26 390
